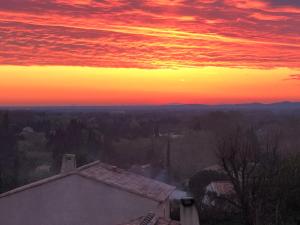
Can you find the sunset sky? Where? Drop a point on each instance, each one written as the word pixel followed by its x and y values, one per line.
pixel 103 52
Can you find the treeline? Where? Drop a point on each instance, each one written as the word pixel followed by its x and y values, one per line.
pixel 32 143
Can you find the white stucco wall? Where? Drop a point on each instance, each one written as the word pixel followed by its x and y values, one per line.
pixel 74 200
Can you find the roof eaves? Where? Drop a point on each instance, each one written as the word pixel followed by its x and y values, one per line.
pixel 87 165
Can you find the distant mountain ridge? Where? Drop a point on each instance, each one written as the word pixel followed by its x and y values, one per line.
pixel 285 105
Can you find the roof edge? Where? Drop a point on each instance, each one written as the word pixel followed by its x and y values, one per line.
pixel 87 165
pixel 48 179
pixel 37 183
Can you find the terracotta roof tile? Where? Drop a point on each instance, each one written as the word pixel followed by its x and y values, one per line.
pixel 222 188
pixel 131 182
pixel 160 221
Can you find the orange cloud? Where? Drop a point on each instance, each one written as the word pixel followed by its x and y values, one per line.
pixel 150 34
pixel 294 77
pixel 268 17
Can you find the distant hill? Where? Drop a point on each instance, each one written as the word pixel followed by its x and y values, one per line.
pixel 277 106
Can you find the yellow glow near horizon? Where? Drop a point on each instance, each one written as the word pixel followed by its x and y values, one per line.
pixel 57 85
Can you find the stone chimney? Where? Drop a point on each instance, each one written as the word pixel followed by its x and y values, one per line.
pixel 188 212
pixel 68 163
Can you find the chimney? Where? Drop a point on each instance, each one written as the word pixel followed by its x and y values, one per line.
pixel 188 212
pixel 68 163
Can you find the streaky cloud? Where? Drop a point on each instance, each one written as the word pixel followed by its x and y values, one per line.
pixel 151 34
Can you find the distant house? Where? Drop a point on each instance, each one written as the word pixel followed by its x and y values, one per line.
pixel 215 193
pixel 27 130
pixel 188 216
pixel 172 135
pixel 94 194
pixel 214 168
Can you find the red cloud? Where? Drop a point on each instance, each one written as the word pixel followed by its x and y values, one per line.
pixel 149 34
pixel 294 77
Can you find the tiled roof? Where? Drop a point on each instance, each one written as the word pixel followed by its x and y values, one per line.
pixel 113 176
pixel 159 221
pixel 215 168
pixel 222 187
pixel 125 180
pixel 162 221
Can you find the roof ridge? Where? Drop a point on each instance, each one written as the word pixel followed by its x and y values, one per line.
pixel 78 169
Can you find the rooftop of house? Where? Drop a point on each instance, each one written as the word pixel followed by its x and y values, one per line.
pixel 215 167
pixel 151 219
pixel 113 176
pixel 221 187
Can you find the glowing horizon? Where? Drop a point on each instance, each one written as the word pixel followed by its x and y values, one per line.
pixel 92 52
pixel 60 85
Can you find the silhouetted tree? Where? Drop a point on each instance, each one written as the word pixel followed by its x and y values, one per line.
pixel 252 169
pixel 9 165
pixel 57 144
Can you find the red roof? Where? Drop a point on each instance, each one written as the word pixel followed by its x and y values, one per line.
pixel 125 180
pixel 222 187
pixel 158 221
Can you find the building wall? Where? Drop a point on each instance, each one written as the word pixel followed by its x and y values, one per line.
pixel 74 200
